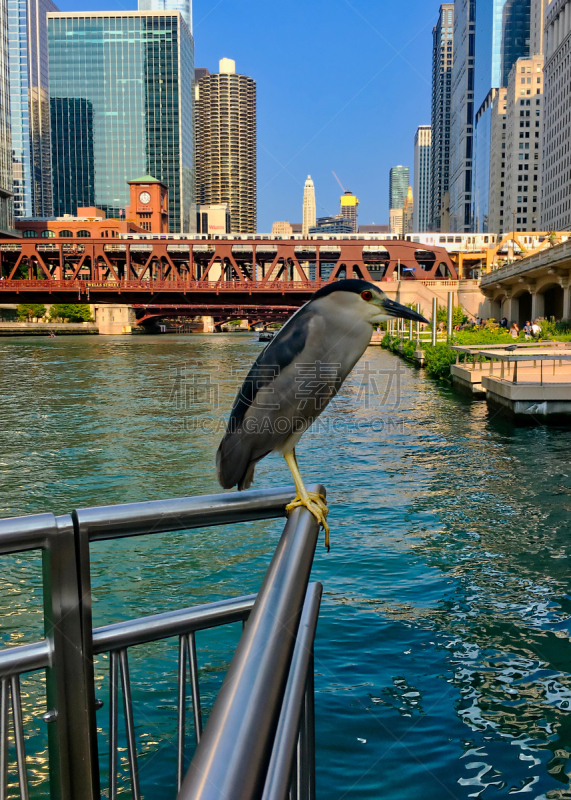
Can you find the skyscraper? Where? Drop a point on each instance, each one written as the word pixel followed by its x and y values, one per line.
pixel 482 156
pixel 30 107
pixel 121 88
pixel 6 203
pixel 556 174
pixel 349 205
pixel 537 26
pixel 421 185
pixel 523 145
pixel 309 213
pixel 462 116
pixel 442 56
pixel 184 6
pixel 226 144
pixel 488 48
pixel 515 35
pixel 497 171
pixel 399 178
pixel 408 212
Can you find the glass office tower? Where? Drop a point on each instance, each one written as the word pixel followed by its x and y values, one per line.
pixel 29 106
pixel 516 35
pixel 482 155
pixel 442 57
pixel 6 204
pixel 184 6
pixel 121 107
pixel 488 66
pixel 399 181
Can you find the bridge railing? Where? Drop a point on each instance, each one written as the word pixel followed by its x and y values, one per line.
pixel 265 703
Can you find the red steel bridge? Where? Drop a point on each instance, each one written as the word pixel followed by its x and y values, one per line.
pixel 175 270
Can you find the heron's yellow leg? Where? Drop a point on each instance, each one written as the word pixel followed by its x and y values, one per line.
pixel 313 501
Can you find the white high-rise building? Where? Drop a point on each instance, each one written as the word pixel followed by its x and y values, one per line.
pixel 309 215
pixel 556 163
pixel 184 6
pixel 421 180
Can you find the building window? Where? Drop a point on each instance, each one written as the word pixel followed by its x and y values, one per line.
pixel 30 234
pixel 66 234
pixel 83 234
pixel 48 234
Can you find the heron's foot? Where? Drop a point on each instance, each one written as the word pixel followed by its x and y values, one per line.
pixel 316 505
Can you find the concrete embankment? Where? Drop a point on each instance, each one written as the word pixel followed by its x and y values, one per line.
pixel 45 328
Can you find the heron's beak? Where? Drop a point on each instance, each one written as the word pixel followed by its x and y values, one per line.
pixel 394 309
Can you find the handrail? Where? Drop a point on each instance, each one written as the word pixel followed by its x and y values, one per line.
pixel 270 679
pixel 233 756
pixel 29 657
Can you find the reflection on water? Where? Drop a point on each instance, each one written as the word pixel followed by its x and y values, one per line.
pixel 443 646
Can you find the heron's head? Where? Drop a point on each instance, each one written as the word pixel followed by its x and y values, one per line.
pixel 365 300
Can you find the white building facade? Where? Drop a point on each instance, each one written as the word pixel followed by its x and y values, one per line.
pixel 556 163
pixel 309 214
pixel 421 179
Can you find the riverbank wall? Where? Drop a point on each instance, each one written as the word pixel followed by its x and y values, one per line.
pixel 45 328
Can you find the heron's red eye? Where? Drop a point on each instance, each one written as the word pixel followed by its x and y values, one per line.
pixel 367 295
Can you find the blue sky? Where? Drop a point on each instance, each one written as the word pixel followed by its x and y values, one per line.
pixel 342 85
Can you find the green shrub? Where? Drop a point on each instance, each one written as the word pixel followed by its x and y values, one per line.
pixel 74 312
pixel 408 350
pixel 438 359
pixel 27 311
pixel 386 341
pixel 494 335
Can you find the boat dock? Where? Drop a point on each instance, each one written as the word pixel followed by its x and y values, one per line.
pixel 534 379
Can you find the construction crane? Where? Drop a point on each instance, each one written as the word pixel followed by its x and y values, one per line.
pixel 339 182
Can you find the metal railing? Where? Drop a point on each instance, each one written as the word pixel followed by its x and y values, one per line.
pixel 260 733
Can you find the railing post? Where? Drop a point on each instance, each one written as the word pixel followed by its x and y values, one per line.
pixel 74 767
pixel 434 320
pixel 234 752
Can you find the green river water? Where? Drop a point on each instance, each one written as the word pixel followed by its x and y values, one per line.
pixel 442 651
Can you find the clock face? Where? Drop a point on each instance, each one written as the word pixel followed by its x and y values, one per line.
pixel 145 198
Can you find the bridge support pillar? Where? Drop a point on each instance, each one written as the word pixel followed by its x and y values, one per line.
pixel 208 323
pixel 566 300
pixel 113 320
pixel 537 305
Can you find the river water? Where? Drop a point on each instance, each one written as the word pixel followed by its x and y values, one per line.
pixel 442 651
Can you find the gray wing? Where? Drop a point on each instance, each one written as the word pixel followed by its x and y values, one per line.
pixel 287 388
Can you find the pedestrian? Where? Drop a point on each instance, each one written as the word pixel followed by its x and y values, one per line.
pixel 514 330
pixel 504 322
pixel 536 329
pixel 527 330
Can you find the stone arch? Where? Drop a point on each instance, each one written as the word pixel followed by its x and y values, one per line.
pixel 524 308
pixel 553 301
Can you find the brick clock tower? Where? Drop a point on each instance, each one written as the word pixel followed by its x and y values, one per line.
pixel 149 204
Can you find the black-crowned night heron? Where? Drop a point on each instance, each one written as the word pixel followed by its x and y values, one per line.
pixel 294 378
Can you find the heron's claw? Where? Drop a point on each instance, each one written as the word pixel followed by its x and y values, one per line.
pixel 316 505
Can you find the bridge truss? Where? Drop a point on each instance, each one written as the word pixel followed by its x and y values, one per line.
pixel 174 269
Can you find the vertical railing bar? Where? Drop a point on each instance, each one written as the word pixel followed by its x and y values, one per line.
pixel 195 686
pixel 293 786
pixel 129 724
pixel 182 650
pixel 310 727
pixel 303 736
pixel 19 737
pixel 4 739
pixel 300 770
pixel 113 723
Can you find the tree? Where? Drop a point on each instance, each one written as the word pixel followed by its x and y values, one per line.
pixel 27 311
pixel 458 315
pixel 74 312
